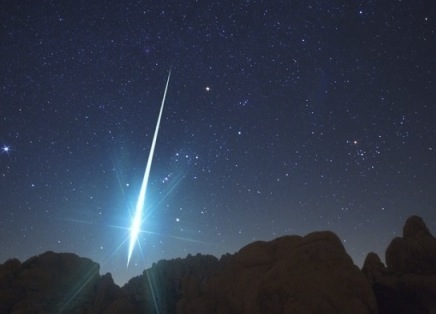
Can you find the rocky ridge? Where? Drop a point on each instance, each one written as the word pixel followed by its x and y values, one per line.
pixel 291 274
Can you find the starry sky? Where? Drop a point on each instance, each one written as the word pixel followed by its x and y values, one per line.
pixel 282 117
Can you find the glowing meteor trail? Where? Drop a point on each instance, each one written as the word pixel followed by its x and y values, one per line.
pixel 137 219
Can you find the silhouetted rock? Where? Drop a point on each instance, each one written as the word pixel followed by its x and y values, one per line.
pixel 291 274
pixel 408 283
pixel 51 282
pixel 415 252
pixel 10 293
pixel 311 274
pixel 106 293
pixel 373 268
pixel 159 287
pixel 55 283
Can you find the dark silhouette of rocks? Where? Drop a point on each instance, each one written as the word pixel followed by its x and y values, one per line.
pixel 407 284
pixel 56 283
pixel 48 283
pixel 158 289
pixel 415 252
pixel 291 274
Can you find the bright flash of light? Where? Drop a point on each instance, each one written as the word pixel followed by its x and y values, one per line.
pixel 137 218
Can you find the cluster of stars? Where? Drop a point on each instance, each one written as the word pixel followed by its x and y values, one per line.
pixel 272 125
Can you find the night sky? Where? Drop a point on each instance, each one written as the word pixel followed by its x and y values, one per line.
pixel 282 117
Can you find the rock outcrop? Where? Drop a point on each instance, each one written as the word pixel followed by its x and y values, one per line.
pixel 291 274
pixel 48 283
pixel 159 288
pixel 55 283
pixel 415 252
pixel 311 274
pixel 407 284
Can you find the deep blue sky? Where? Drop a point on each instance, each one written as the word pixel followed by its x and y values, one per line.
pixel 282 117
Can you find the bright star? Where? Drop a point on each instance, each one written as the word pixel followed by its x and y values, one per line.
pixel 6 149
pixel 207 88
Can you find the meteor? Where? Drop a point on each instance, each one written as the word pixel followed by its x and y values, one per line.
pixel 137 219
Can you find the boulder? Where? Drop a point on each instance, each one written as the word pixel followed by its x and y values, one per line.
pixel 106 293
pixel 50 282
pixel 292 274
pixel 59 283
pixel 415 252
pixel 408 283
pixel 159 288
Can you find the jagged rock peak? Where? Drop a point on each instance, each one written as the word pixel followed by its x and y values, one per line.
pixel 415 252
pixel 372 261
pixel 408 283
pixel 415 227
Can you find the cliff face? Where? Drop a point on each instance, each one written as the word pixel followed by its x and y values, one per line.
pixel 291 274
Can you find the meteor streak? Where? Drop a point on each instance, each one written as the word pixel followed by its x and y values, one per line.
pixel 137 219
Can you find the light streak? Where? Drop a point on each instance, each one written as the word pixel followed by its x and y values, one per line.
pixel 137 219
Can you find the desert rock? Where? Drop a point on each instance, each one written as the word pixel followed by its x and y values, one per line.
pixel 408 283
pixel 311 274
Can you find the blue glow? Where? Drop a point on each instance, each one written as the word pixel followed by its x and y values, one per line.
pixel 137 219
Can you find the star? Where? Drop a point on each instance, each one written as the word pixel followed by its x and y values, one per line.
pixel 6 149
pixel 246 143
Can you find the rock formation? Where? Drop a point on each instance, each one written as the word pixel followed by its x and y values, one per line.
pixel 159 287
pixel 415 252
pixel 50 282
pixel 291 274
pixel 408 283
pixel 55 283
